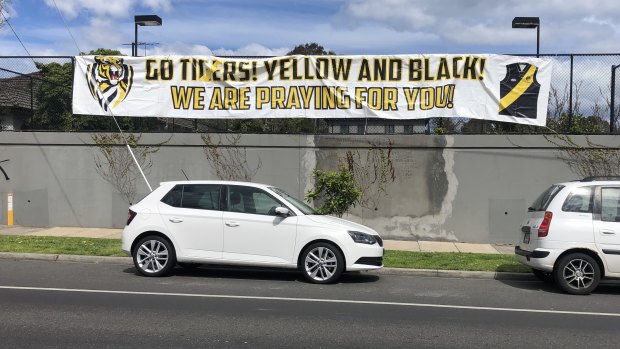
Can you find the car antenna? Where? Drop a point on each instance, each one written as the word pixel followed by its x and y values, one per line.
pixel 184 174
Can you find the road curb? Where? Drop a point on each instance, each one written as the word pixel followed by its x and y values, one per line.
pixel 461 274
pixel 65 258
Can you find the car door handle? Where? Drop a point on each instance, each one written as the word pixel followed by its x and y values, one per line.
pixel 175 220
pixel 608 232
pixel 232 224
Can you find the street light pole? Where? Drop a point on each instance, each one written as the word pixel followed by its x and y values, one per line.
pixel 537 40
pixel 134 47
pixel 529 23
pixel 143 20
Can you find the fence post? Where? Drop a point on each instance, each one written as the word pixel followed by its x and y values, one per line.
pixel 612 105
pixel 570 105
pixel 31 101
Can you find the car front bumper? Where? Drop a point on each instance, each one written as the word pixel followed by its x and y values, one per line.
pixel 365 257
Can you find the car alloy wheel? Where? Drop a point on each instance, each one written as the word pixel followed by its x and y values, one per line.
pixel 578 274
pixel 322 263
pixel 154 256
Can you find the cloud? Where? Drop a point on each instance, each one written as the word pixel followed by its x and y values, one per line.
pixel 396 14
pixel 181 48
pixel 97 34
pixel 106 8
pixel 159 5
pixel 247 27
pixel 566 25
pixel 253 50
pixel 603 22
pixel 71 8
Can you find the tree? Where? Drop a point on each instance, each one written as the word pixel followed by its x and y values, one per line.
pixel 115 164
pixel 371 173
pixel 586 161
pixel 310 49
pixel 102 52
pixel 230 161
pixel 3 4
pixel 579 124
pixel 336 191
pixel 53 110
pixel 54 97
pixel 443 126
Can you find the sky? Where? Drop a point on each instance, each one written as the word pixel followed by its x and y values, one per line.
pixel 273 27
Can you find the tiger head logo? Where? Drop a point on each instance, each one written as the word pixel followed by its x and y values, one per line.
pixel 109 80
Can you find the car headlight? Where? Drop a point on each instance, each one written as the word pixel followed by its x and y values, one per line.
pixel 362 238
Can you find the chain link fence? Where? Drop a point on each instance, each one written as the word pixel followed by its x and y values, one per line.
pixel 35 95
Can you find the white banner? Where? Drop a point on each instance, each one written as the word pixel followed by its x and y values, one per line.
pixel 491 87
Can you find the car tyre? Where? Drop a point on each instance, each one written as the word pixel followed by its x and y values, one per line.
pixel 322 263
pixel 544 276
pixel 154 256
pixel 577 273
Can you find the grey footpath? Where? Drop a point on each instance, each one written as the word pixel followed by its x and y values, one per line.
pixel 415 246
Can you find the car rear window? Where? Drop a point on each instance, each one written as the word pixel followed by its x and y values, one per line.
pixel 541 203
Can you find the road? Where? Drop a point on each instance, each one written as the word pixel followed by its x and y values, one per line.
pixel 60 305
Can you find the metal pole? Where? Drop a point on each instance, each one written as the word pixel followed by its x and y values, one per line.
pixel 570 102
pixel 538 40
pixel 32 96
pixel 135 43
pixel 139 168
pixel 612 106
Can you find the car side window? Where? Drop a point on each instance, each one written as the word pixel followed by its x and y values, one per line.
pixel 610 206
pixel 251 200
pixel 201 196
pixel 196 196
pixel 579 200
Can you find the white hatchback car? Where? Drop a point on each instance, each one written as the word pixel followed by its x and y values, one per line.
pixel 239 223
pixel 572 234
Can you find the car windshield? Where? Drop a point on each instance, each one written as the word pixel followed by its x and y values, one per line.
pixel 300 205
pixel 541 203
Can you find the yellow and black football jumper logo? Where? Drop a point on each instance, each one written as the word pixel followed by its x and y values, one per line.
pixel 519 91
pixel 109 80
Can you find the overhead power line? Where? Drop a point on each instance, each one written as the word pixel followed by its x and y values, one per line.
pixel 66 26
pixel 6 20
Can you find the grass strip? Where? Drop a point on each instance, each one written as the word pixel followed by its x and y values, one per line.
pixel 61 245
pixel 392 259
pixel 453 261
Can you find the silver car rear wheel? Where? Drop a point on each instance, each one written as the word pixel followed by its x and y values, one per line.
pixel 154 256
pixel 577 273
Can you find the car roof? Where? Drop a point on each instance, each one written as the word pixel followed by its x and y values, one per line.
pixel 582 183
pixel 220 182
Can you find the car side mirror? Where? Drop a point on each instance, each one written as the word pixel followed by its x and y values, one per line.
pixel 282 212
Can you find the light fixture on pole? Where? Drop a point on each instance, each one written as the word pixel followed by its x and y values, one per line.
pixel 529 23
pixel 143 20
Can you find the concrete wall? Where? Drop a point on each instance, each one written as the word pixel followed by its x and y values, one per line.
pixel 467 188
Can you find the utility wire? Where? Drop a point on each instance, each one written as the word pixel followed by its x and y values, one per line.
pixel 106 103
pixel 15 33
pixel 66 26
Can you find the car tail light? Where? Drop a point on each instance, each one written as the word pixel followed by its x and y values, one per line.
pixel 543 229
pixel 130 216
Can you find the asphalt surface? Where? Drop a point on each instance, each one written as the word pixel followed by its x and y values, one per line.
pixel 65 304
